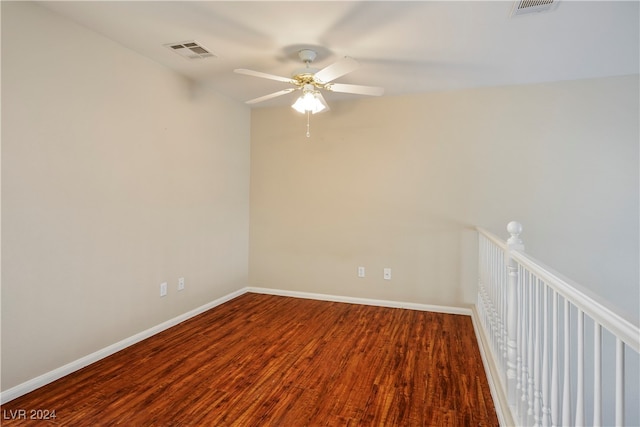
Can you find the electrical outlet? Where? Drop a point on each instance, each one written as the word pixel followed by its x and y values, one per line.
pixel 181 284
pixel 360 271
pixel 387 274
pixel 163 289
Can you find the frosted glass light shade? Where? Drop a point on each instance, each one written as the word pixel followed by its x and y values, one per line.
pixel 309 102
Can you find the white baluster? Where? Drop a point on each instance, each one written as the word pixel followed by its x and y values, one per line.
pixel 536 357
pixel 514 243
pixel 500 304
pixel 580 368
pixel 619 382
pixel 597 375
pixel 487 286
pixel 519 327
pixel 531 371
pixel 524 316
pixel 495 324
pixel 545 358
pixel 480 276
pixel 566 385
pixel 487 289
pixel 504 283
pixel 491 293
pixel 555 351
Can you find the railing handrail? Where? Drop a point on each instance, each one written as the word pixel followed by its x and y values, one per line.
pixel 583 299
pixel 495 239
pixel 591 304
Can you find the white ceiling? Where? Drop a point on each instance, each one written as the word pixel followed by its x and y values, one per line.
pixel 405 47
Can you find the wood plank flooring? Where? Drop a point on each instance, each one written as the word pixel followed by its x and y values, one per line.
pixel 263 360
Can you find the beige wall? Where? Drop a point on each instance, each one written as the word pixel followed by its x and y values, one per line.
pixel 400 181
pixel 117 175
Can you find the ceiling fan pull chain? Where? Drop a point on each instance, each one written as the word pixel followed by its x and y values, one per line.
pixel 308 133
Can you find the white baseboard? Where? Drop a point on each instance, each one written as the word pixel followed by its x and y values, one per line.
pixel 44 379
pixel 505 418
pixel 362 301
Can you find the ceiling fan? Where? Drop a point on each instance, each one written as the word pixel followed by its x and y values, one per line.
pixel 311 81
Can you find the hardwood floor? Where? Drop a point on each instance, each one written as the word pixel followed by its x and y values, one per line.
pixel 263 360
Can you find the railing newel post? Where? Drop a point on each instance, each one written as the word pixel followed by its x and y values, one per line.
pixel 513 243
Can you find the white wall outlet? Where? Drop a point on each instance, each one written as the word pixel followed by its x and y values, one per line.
pixel 163 289
pixel 181 284
pixel 387 274
pixel 360 271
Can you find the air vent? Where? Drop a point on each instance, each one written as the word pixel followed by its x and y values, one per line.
pixel 523 7
pixel 190 50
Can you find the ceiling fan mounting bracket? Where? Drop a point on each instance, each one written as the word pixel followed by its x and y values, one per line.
pixel 307 55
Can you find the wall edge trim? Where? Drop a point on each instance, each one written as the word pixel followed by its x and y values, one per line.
pixel 55 374
pixel 363 301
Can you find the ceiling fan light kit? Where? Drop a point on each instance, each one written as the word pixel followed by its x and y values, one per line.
pixel 310 101
pixel 311 81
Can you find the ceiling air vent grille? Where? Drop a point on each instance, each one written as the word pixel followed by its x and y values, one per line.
pixel 522 7
pixel 190 50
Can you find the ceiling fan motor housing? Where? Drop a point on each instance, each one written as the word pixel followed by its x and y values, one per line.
pixel 304 76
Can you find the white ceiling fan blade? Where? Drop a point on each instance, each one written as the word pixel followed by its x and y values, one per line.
pixel 271 95
pixel 335 70
pixel 263 75
pixel 357 89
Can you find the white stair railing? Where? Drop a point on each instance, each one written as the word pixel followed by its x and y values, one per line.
pixel 562 355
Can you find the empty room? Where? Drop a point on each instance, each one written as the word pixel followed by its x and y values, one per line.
pixel 320 213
